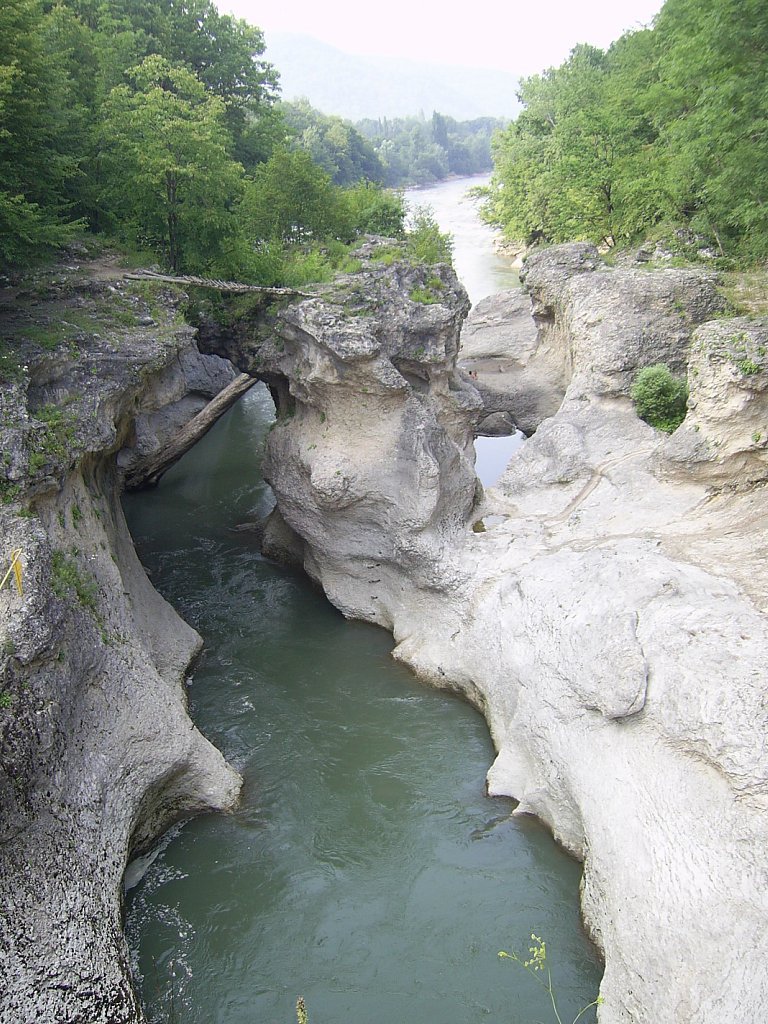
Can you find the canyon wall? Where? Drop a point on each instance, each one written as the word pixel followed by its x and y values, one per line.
pixel 604 605
pixel 98 754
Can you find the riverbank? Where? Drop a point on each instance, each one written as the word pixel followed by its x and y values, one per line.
pixel 614 651
pixel 610 624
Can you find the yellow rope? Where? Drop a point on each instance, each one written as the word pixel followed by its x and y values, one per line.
pixel 15 570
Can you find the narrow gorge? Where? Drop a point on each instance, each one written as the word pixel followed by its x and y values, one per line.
pixel 604 605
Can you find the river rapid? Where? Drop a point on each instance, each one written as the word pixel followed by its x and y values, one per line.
pixel 365 868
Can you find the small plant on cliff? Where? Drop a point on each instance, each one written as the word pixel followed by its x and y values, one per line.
pixel 9 492
pixel 11 367
pixel 432 291
pixel 55 440
pixel 748 367
pixel 425 242
pixel 424 296
pixel 660 398
pixel 67 579
pixel 538 968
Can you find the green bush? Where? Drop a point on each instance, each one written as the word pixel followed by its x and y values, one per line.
pixel 368 209
pixel 660 398
pixel 425 242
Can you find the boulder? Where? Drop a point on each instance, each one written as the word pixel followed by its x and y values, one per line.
pixel 498 345
pixel 724 438
pixel 500 327
pixel 498 424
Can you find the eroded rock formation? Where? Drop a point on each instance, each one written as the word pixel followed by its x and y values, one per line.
pixel 609 624
pixel 610 621
pixel 98 754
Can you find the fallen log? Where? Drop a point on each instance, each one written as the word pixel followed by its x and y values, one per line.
pixel 147 472
pixel 208 282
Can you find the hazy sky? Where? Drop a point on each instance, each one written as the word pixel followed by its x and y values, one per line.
pixel 521 37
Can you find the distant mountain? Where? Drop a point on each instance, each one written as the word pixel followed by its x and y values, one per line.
pixel 355 86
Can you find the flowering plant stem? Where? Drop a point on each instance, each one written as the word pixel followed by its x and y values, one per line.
pixel 535 966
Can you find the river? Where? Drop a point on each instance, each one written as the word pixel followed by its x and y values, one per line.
pixel 365 869
pixel 483 271
pixel 481 268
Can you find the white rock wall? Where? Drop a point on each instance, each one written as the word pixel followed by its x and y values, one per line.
pixel 619 662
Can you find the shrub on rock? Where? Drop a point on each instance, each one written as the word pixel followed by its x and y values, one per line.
pixel 659 397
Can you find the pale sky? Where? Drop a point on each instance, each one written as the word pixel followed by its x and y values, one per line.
pixel 520 36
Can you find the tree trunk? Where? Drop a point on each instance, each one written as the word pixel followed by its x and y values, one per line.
pixel 172 219
pixel 147 473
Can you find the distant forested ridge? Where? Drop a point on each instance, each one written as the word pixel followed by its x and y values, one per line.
pixel 356 86
pixel 156 123
pixel 418 151
pixel 396 151
pixel 667 129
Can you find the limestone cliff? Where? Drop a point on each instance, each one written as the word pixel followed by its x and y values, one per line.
pixel 97 753
pixel 610 621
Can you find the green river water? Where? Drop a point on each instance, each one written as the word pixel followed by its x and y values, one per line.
pixel 365 869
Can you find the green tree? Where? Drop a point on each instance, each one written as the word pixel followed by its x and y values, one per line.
pixel 289 199
pixel 368 209
pixel 711 109
pixel 565 167
pixel 225 53
pixel 168 178
pixel 334 144
pixel 668 128
pixel 38 158
pixel 415 151
pixel 425 241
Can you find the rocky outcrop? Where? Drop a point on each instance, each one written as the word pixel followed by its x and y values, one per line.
pixel 180 391
pixel 599 326
pixel 563 334
pixel 724 439
pixel 498 344
pixel 610 621
pixel 396 484
pixel 98 754
pixel 608 624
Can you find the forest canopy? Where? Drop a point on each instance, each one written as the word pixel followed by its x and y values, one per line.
pixel 419 150
pixel 394 151
pixel 667 129
pixel 157 124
